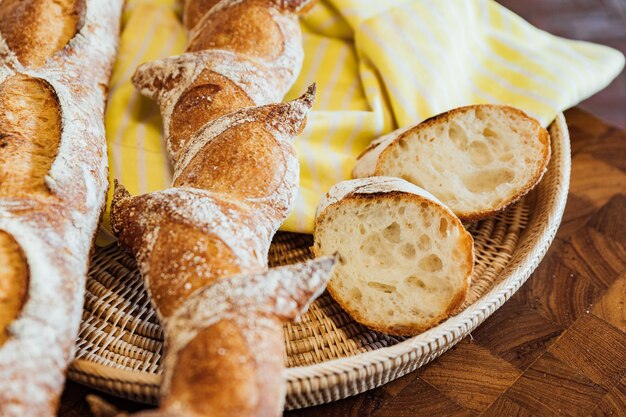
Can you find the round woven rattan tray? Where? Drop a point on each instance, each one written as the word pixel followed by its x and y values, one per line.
pixel 328 355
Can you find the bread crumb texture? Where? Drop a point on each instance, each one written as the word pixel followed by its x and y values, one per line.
pixel 404 259
pixel 477 160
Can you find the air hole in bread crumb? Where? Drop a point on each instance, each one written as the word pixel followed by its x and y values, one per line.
pixel 356 294
pixel 490 133
pixel 415 281
pixel 387 289
pixel 408 251
pixel 479 153
pixel 424 205
pixel 401 211
pixel 424 243
pixel 481 113
pixel 488 179
pixel 438 166
pixel 506 157
pixel 384 260
pixel 392 232
pixel 391 312
pixel 428 221
pixel 404 145
pixel 416 312
pixel 410 179
pixel 431 263
pixel 458 136
pixel 362 229
pixel 443 227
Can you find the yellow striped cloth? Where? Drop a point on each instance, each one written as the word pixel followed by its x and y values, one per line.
pixel 379 65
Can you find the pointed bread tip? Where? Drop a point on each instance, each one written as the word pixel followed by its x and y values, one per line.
pixel 308 98
pixel 119 191
pixel 120 194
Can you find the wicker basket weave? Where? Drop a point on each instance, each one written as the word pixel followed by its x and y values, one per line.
pixel 329 356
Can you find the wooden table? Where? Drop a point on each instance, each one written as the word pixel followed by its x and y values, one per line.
pixel 557 347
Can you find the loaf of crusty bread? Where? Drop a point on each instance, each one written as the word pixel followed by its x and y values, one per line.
pixel 405 259
pixel 477 159
pixel 202 245
pixel 55 61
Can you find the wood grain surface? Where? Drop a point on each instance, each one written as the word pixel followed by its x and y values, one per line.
pixel 557 347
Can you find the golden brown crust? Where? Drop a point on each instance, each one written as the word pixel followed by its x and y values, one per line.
pixel 183 255
pixel 177 234
pixel 247 28
pixel 30 133
pixel 544 139
pixel 36 30
pixel 56 58
pixel 236 366
pixel 194 10
pixel 209 97
pixel 241 154
pixel 235 180
pixel 13 282
pixel 213 259
pixel 408 329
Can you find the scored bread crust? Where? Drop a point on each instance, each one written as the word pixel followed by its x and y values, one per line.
pixel 370 189
pixel 53 182
pixel 201 242
pixel 370 160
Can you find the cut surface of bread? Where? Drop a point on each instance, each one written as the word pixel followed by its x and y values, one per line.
pixel 477 159
pixel 404 259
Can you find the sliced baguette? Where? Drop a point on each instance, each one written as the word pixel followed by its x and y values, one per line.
pixel 477 160
pixel 404 258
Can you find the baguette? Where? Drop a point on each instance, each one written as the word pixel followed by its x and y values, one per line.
pixel 55 61
pixel 477 160
pixel 235 181
pixel 405 259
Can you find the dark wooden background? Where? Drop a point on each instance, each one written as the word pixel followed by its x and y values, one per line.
pixel 558 347
pixel 601 21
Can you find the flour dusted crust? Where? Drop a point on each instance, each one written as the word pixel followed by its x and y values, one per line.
pixel 257 79
pixel 55 227
pixel 241 227
pixel 202 244
pixel 284 292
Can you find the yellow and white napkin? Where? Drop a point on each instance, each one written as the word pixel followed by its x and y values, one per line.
pixel 378 65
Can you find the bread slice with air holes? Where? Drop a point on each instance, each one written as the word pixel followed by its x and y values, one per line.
pixel 405 259
pixel 477 159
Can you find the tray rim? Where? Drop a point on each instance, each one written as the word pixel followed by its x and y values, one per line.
pixel 329 380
